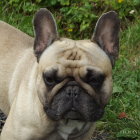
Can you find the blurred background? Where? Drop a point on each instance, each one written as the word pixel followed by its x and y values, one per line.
pixel 76 19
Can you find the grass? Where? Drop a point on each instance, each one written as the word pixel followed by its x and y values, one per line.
pixel 126 90
pixel 126 75
pixel 125 99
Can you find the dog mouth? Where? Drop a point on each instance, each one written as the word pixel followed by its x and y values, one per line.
pixel 73 115
pixel 70 114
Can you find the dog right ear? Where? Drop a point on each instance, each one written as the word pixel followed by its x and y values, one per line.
pixel 45 31
pixel 106 34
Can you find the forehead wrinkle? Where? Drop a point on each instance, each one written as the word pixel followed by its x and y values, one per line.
pixel 71 53
pixel 73 63
pixel 74 57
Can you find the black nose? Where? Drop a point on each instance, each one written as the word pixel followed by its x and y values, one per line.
pixel 72 91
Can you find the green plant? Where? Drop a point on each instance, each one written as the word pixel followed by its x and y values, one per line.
pixel 76 19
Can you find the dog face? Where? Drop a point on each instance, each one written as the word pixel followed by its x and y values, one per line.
pixel 74 79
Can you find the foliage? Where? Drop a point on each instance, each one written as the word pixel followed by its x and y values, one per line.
pixel 125 99
pixel 76 18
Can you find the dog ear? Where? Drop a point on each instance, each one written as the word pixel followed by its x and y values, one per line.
pixel 106 34
pixel 45 31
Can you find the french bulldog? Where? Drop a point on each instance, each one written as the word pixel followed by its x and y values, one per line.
pixel 54 88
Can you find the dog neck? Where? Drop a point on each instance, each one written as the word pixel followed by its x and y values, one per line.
pixel 72 129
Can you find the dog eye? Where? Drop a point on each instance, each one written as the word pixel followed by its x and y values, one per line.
pixel 94 78
pixel 49 80
pixel 96 81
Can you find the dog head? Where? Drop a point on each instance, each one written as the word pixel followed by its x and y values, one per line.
pixel 74 79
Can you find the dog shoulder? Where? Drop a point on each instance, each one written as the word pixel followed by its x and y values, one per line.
pixel 5 27
pixel 10 33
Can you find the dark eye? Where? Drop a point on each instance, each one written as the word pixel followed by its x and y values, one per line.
pixel 49 80
pixel 96 81
pixel 93 80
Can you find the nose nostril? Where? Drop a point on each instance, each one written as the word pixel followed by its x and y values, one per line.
pixel 75 94
pixel 72 91
pixel 69 94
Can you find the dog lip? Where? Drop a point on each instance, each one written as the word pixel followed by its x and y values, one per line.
pixel 73 115
pixel 73 109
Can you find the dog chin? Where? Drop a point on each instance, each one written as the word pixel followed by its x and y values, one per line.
pixel 74 115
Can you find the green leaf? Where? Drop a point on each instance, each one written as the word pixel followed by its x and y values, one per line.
pixel 38 1
pixel 117 89
pixel 64 2
pixel 136 2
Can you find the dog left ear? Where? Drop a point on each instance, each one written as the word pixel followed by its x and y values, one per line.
pixel 107 34
pixel 45 31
